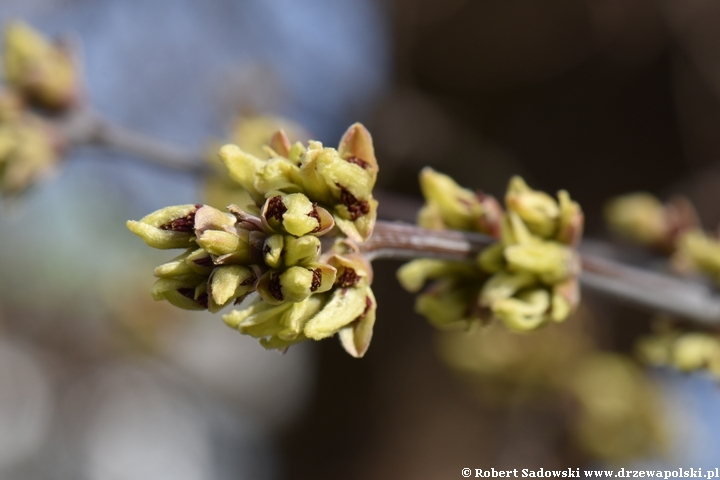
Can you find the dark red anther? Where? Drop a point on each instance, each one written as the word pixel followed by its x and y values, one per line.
pixel 276 208
pixel 357 208
pixel 348 278
pixel 316 280
pixel 274 286
pixel 358 161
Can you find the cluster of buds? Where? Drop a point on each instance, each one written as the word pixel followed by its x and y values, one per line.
pixel 671 228
pixel 684 351
pixel 340 180
pixel 275 251
pixel 610 407
pixel 43 73
pixel 617 415
pixel 643 219
pixel 37 74
pixel 698 251
pixel 526 279
pixel 29 146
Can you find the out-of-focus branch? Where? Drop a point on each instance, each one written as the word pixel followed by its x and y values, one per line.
pixel 647 289
pixel 85 127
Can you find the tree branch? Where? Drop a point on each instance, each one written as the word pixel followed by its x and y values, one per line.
pixel 85 127
pixel 396 240
pixel 653 291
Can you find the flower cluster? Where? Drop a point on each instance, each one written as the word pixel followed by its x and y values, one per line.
pixel 526 279
pixel 29 147
pixel 340 180
pixel 617 414
pixel 302 293
pixel 41 75
pixel 685 351
pixel 609 406
pixel 672 228
pixel 643 219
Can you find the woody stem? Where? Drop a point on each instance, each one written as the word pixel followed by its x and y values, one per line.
pixel 86 127
pixel 653 291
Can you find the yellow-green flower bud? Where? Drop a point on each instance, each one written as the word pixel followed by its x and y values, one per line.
pixel 449 305
pixel 242 167
pixel 278 174
pixel 169 227
pixel 297 150
pixel 355 337
pixel 413 275
pixel 345 306
pixel 259 319
pixel 29 149
pixel 276 326
pixel 301 251
pixel 565 299
pixel 356 146
pixel 459 208
pixel 297 316
pixel 296 283
pixel 702 252
pixel 492 259
pixel 296 215
pixel 343 177
pixel 524 312
pixel 227 283
pixel 200 262
pixel 552 262
pixel 694 351
pixel 514 231
pixel 273 250
pixel 221 243
pixel 43 72
pixel 538 210
pixel 504 285
pixel 279 144
pixel 638 217
pixel 177 267
pixel 353 270
pixel 187 292
pixel 572 220
pixel 356 219
pixel 430 217
pixel 210 218
pixel 314 185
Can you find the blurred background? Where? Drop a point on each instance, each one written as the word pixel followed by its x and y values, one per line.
pixel 97 381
